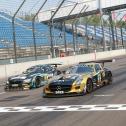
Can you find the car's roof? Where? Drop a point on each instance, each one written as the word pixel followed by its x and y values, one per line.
pixel 40 65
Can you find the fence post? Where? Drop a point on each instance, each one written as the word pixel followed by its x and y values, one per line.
pixel 13 28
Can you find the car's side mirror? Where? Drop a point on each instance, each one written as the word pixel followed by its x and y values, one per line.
pixel 64 72
pixel 58 72
pixel 67 72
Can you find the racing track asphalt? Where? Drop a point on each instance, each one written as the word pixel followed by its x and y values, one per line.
pixel 111 94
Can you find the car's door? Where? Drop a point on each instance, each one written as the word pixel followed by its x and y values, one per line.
pixel 99 74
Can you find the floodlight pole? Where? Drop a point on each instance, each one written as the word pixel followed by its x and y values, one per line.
pixel 50 27
pixel 33 28
pixel 13 28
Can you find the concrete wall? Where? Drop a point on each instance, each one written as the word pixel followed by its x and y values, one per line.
pixel 13 69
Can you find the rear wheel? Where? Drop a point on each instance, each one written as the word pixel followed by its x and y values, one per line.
pixel 109 78
pixel 89 86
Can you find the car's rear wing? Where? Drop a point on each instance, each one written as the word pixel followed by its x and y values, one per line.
pixel 98 61
pixel 55 64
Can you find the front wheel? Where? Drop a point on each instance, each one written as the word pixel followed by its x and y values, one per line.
pixel 38 81
pixel 89 86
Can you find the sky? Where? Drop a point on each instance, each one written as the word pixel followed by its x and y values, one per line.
pixel 31 6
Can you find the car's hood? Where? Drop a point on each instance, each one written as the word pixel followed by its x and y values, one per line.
pixel 62 82
pixel 21 76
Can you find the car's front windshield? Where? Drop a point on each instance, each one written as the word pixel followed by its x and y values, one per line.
pixel 34 70
pixel 80 69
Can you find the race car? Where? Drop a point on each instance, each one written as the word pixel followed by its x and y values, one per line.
pixel 78 80
pixel 33 77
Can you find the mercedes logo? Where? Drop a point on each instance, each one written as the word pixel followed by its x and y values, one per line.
pixel 58 88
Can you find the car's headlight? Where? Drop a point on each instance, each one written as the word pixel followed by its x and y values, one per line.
pixel 27 80
pixel 78 82
pixel 7 82
pixel 46 88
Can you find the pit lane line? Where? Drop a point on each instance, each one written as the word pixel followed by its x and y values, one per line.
pixel 66 108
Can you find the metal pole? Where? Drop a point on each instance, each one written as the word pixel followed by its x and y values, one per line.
pixel 101 21
pixel 57 10
pixel 86 35
pixel 95 31
pixel 50 27
pixel 95 43
pixel 103 35
pixel 121 30
pixel 64 34
pixel 74 22
pixel 51 40
pixel 87 44
pixel 72 9
pixel 116 36
pixel 65 44
pixel 110 36
pixel 74 45
pixel 13 28
pixel 33 28
pixel 102 27
pixel 112 31
pixel 76 42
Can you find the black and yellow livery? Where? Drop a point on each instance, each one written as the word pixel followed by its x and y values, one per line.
pixel 78 80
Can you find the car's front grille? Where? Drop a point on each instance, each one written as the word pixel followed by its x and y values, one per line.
pixel 15 82
pixel 64 88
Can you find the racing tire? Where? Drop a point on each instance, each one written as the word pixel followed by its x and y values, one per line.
pixel 38 82
pixel 109 78
pixel 89 86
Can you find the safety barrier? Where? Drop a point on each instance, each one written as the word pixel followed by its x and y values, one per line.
pixel 13 69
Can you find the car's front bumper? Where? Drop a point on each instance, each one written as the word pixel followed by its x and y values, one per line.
pixel 65 94
pixel 23 86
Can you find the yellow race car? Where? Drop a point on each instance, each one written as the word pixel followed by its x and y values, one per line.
pixel 78 80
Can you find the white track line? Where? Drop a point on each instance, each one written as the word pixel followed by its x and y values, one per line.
pixel 66 108
pixel 2 93
pixel 104 95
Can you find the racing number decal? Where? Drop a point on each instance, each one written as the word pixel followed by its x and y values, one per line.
pixel 46 77
pixel 99 77
pixel 103 75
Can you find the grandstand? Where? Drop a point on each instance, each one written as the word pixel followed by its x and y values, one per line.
pixel 78 37
pixel 24 36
